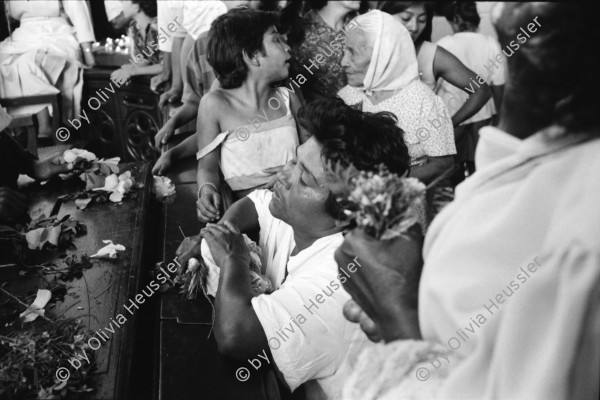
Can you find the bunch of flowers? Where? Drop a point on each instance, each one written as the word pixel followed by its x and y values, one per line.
pixel 202 275
pixel 383 204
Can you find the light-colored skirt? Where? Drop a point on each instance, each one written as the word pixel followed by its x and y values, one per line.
pixel 42 57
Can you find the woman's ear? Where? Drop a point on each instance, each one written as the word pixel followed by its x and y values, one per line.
pixel 251 60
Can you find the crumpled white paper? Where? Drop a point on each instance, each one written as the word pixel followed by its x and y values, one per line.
pixel 117 185
pixel 37 307
pixel 109 251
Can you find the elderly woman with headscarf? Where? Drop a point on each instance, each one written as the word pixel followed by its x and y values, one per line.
pixel 381 66
pixel 508 301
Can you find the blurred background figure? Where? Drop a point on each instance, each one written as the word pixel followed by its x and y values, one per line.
pixel 320 46
pixel 434 61
pixel 170 12
pixel 114 13
pixel 45 55
pixel 479 53
pixel 143 32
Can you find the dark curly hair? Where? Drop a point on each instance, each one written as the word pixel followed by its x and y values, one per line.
pixel 148 7
pixel 396 7
pixel 350 136
pixel 239 30
pixel 464 13
pixel 555 72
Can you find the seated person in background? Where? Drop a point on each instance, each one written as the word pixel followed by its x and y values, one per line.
pixel 301 225
pixel 246 128
pixel 14 160
pixel 45 55
pixel 509 297
pixel 144 38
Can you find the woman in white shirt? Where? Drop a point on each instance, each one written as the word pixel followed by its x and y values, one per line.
pixel 509 297
pixel 45 54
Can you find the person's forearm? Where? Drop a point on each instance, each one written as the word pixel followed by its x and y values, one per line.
pixel 166 62
pixel 431 170
pixel 473 104
pixel 208 175
pixel 242 214
pixel 186 113
pixel 404 325
pixel 151 69
pixel 238 331
pixel 497 94
pixel 177 80
pixel 187 148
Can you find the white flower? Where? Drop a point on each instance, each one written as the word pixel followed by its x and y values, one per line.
pixel 72 155
pixel 109 251
pixel 37 307
pixel 117 185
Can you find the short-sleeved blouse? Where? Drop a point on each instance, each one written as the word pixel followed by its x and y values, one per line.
pixel 422 115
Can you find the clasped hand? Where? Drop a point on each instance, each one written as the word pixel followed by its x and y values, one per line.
pixel 385 285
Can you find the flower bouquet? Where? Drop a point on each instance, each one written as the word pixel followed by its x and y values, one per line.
pixel 203 274
pixel 383 204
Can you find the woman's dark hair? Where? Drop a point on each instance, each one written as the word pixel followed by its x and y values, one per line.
pixel 350 136
pixel 239 30
pixel 291 22
pixel 396 7
pixel 148 7
pixel 464 13
pixel 555 72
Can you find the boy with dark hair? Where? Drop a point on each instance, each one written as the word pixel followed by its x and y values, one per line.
pixel 246 128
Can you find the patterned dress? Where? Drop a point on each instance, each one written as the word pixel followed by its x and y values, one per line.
pixel 318 58
pixel 145 48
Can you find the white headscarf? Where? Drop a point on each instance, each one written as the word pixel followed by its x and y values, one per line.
pixel 394 60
